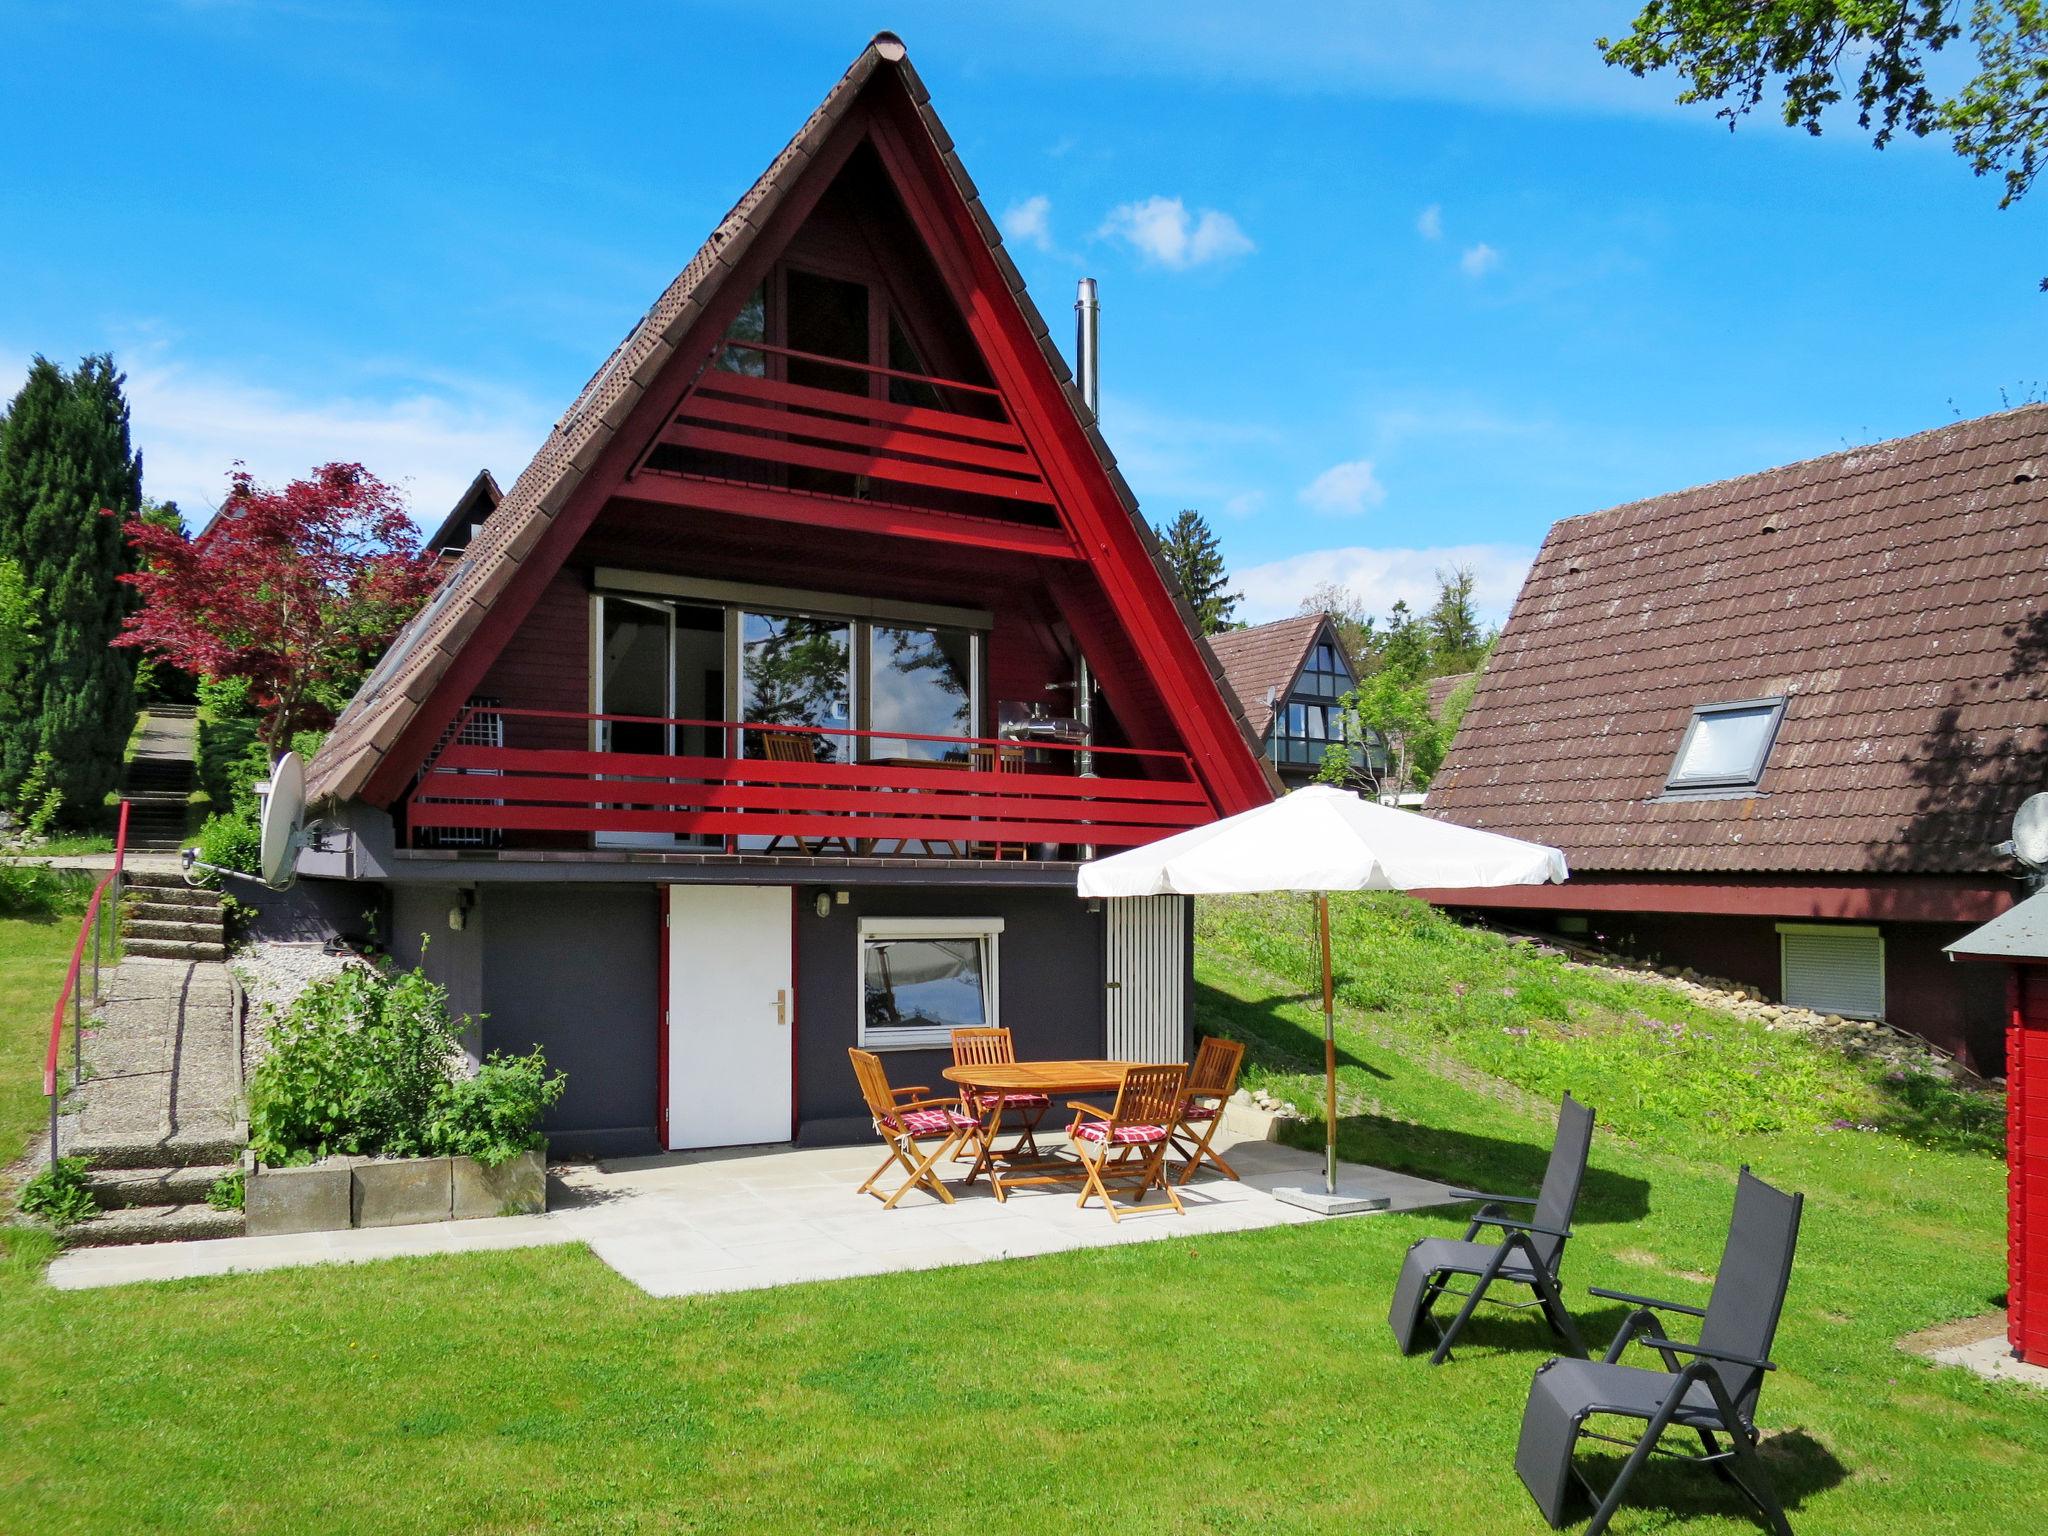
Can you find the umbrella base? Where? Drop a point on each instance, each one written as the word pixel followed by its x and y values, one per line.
pixel 1348 1201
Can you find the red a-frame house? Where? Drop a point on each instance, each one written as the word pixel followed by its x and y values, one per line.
pixel 773 707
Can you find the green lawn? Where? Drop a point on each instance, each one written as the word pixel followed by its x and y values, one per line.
pixel 1228 1384
pixel 33 955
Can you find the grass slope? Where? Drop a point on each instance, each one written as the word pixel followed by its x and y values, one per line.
pixel 34 953
pixel 1231 1384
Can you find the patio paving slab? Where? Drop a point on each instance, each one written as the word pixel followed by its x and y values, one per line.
pixel 702 1222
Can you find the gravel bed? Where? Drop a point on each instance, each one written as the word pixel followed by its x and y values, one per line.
pixel 274 974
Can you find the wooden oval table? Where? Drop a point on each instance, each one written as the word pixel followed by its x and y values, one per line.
pixel 1051 1078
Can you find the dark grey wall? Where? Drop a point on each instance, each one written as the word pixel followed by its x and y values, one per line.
pixel 313 911
pixel 574 970
pixel 420 936
pixel 1049 965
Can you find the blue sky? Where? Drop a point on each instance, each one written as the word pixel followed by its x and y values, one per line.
pixel 1384 287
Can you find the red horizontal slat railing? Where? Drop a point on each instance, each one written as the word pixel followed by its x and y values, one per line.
pixel 537 789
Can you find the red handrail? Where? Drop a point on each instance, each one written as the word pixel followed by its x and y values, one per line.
pixel 69 991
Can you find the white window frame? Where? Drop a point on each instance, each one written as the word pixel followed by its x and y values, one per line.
pixel 895 1038
pixel 1723 782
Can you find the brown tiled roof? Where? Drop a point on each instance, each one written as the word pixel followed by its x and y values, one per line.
pixel 1441 688
pixel 1895 595
pixel 1265 657
pixel 421 655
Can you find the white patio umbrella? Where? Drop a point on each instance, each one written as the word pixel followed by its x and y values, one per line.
pixel 1322 839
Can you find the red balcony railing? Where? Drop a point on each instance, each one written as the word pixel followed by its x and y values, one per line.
pixel 993 793
pixel 805 422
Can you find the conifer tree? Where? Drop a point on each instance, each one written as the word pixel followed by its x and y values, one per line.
pixel 1196 559
pixel 69 481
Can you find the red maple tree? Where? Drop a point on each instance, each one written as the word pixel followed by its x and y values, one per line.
pixel 298 589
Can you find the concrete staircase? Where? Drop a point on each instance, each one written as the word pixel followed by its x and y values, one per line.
pixel 159 1115
pixel 158 783
pixel 166 919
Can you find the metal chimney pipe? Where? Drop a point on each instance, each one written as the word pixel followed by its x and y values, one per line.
pixel 1087 358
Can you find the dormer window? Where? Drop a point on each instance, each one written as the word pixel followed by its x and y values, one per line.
pixel 1724 746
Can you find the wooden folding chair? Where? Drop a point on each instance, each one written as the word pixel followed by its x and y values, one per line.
pixel 904 1126
pixel 796 747
pixel 998 760
pixel 1211 1081
pixel 1126 1146
pixel 984 1047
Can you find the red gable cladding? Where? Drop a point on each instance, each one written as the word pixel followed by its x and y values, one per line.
pixel 1147 623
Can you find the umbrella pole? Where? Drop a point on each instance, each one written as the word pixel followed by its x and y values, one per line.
pixel 1329 1049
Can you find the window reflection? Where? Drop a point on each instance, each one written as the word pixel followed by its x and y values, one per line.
pixel 797 671
pixel 920 681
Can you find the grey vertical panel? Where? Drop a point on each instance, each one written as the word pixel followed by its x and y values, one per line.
pixel 1147 1008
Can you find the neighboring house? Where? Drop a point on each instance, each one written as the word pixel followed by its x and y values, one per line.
pixel 465 520
pixel 1440 690
pixel 772 710
pixel 1778 724
pixel 1288 677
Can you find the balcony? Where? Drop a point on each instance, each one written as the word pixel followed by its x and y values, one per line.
pixel 794 790
pixel 768 431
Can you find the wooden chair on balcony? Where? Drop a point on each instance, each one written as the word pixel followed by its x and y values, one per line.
pixel 1211 1082
pixel 980 1047
pixel 906 1123
pixel 1125 1147
pixel 1003 759
pixel 797 747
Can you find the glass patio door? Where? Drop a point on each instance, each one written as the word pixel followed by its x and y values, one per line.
pixel 635 677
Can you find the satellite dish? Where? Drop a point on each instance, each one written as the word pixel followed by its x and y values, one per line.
pixel 2030 832
pixel 284 811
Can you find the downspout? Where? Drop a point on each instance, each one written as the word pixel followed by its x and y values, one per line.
pixel 1087 371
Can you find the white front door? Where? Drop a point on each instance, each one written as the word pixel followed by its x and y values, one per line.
pixel 731 1015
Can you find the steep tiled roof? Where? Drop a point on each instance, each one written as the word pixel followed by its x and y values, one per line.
pixel 1264 657
pixel 1895 595
pixel 421 655
pixel 1441 688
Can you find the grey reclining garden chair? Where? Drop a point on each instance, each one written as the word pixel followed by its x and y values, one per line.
pixel 1712 1392
pixel 1528 1252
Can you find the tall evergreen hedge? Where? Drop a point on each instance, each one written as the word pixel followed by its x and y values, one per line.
pixel 65 456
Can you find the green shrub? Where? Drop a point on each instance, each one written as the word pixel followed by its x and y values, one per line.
pixel 59 1194
pixel 367 1063
pixel 226 1192
pixel 495 1116
pixel 232 841
pixel 230 756
pixel 31 890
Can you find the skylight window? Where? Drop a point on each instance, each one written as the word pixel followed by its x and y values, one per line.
pixel 1725 745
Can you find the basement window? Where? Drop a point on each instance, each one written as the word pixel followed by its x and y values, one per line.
pixel 1833 968
pixel 1725 745
pixel 922 978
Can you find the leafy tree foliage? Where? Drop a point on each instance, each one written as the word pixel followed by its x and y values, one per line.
pixel 1875 52
pixel 1196 560
pixel 18 602
pixel 1395 659
pixel 65 460
pixel 297 589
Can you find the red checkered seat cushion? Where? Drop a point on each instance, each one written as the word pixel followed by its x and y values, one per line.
pixel 1122 1135
pixel 1200 1112
pixel 932 1122
pixel 1010 1100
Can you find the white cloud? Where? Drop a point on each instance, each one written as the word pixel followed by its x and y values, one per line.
pixel 1430 222
pixel 1344 490
pixel 1162 230
pixel 1029 222
pixel 427 436
pixel 1479 260
pixel 1244 504
pixel 1383 576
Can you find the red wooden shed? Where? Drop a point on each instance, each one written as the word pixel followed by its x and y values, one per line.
pixel 2018 939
